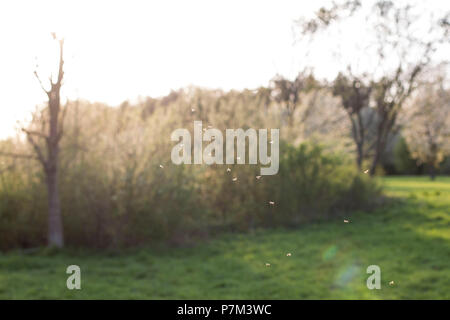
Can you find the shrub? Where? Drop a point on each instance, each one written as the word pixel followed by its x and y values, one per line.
pixel 314 184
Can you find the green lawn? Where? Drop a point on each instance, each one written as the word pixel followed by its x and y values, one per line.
pixel 409 239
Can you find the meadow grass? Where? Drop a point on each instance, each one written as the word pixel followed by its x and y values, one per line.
pixel 409 239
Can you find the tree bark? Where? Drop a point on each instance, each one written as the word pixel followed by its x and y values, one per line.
pixel 359 156
pixel 55 227
pixel 379 149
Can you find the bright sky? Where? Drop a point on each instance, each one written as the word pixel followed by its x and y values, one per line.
pixel 118 50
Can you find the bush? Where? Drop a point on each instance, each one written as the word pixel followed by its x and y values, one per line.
pixel 179 204
pixel 315 184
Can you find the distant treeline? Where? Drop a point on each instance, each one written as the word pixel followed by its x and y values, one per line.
pixel 118 186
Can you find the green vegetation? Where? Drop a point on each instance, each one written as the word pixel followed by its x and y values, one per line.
pixel 408 237
pixel 119 188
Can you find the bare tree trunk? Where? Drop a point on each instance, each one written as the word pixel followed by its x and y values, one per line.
pixel 384 129
pixel 50 159
pixel 379 149
pixel 360 142
pixel 359 156
pixel 55 227
pixel 374 165
pixel 358 138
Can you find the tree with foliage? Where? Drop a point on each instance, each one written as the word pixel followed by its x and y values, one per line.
pixel 402 40
pixel 427 130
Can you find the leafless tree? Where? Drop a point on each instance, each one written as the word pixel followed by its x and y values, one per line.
pixel 51 132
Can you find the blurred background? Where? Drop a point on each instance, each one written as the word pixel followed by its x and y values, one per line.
pixel 92 92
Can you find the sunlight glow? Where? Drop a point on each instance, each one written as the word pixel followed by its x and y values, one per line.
pixel 119 50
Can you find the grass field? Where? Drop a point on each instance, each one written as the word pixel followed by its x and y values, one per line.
pixel 409 239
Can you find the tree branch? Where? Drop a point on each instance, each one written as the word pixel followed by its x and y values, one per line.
pixel 35 133
pixel 40 83
pixel 61 62
pixel 37 149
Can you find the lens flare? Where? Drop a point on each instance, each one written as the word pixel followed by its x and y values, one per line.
pixel 329 253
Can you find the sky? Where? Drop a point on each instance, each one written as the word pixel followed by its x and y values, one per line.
pixel 119 50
